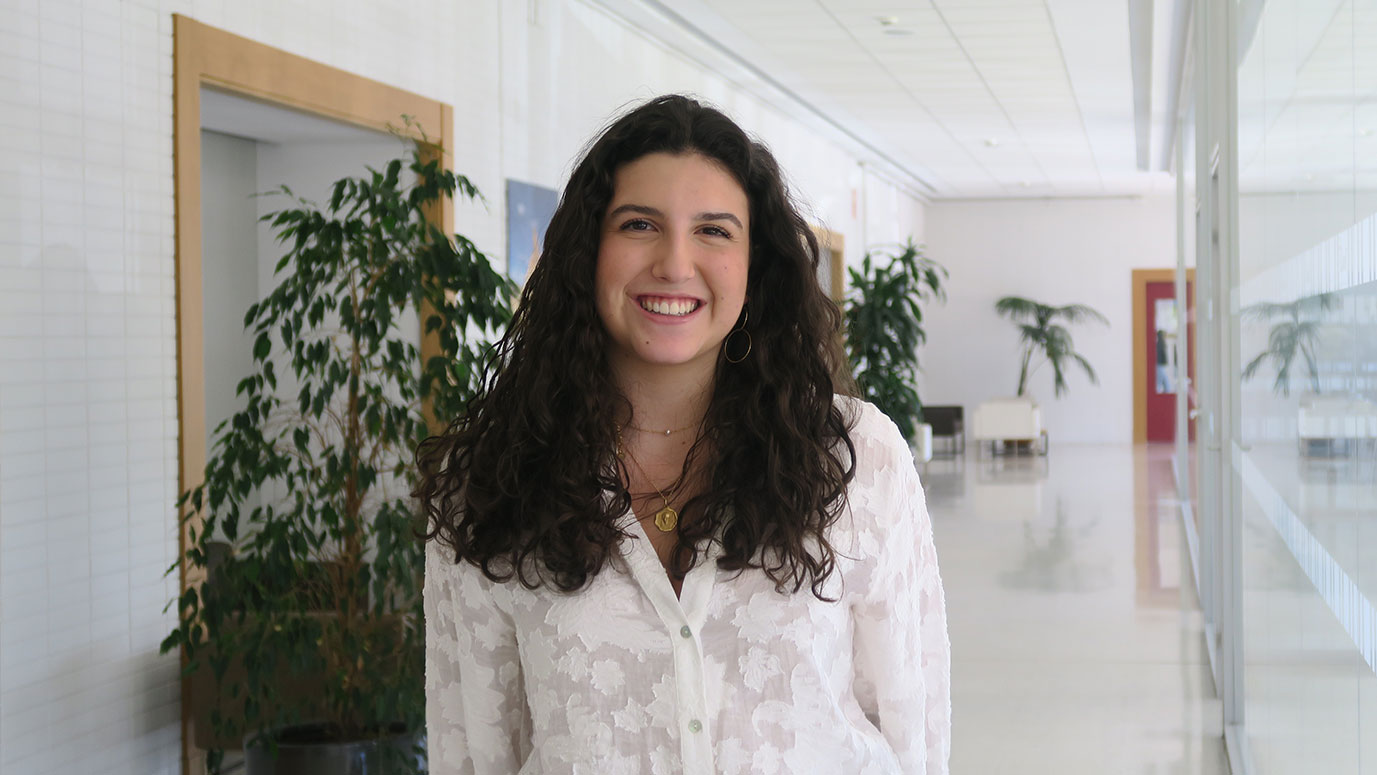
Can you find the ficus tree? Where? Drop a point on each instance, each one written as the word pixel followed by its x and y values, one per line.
pixel 884 329
pixel 304 518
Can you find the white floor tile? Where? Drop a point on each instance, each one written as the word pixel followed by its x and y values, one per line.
pixel 1077 643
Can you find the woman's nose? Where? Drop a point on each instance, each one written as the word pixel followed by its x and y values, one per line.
pixel 674 260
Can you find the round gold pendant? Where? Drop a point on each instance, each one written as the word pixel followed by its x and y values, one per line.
pixel 666 519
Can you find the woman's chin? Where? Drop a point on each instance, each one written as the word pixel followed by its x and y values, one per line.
pixel 670 359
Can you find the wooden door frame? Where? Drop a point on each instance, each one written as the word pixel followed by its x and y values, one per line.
pixel 1141 278
pixel 832 248
pixel 206 56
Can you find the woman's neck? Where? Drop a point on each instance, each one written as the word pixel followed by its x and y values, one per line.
pixel 666 398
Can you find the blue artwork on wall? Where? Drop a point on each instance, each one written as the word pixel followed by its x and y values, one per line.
pixel 529 209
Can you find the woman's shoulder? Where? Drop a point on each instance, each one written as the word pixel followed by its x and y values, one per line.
pixel 881 491
pixel 876 438
pixel 884 466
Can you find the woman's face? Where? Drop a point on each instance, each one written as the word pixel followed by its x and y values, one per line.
pixel 672 263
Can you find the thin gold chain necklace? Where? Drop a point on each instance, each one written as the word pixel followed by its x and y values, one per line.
pixel 667 432
pixel 666 519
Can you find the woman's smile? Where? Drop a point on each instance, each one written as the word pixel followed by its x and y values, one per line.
pixel 674 307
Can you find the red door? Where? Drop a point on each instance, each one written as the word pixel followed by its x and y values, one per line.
pixel 1164 324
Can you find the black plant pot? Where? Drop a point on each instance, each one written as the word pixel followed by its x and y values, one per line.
pixel 303 750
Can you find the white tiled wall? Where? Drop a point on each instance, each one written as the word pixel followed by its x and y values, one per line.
pixel 87 389
pixel 88 401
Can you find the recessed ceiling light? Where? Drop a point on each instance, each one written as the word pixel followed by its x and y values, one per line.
pixel 887 21
pixel 1365 131
pixel 992 142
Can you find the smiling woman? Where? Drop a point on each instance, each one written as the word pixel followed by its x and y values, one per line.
pixel 664 455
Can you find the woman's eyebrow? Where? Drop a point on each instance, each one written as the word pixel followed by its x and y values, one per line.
pixel 641 209
pixel 651 211
pixel 720 217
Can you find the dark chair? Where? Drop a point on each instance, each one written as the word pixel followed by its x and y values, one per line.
pixel 947 422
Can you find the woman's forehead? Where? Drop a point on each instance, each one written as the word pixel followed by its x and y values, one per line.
pixel 665 175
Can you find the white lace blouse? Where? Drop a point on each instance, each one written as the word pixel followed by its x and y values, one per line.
pixel 733 677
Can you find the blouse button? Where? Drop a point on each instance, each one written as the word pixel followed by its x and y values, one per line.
pixel 695 726
pixel 685 631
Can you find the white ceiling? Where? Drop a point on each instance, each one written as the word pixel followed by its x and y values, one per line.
pixel 957 98
pixel 1004 98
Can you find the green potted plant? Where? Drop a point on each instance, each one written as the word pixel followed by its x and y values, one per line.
pixel 1041 335
pixel 884 329
pixel 307 633
pixel 1297 332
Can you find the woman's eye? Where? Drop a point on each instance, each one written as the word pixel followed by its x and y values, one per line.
pixel 717 231
pixel 637 224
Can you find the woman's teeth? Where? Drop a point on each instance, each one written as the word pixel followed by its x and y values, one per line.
pixel 677 308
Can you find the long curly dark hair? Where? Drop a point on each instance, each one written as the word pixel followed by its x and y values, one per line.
pixel 518 484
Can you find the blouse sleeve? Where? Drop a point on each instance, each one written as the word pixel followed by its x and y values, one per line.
pixel 903 655
pixel 477 721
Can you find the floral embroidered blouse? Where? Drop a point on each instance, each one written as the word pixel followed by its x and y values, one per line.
pixel 733 677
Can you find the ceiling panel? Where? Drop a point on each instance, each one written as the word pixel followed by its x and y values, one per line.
pixel 987 97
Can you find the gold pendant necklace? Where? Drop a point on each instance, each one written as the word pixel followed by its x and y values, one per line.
pixel 666 519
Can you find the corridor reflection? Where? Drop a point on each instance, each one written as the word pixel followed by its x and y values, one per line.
pixel 1077 641
pixel 1306 318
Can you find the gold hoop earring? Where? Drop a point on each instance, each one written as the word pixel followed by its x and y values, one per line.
pixel 726 343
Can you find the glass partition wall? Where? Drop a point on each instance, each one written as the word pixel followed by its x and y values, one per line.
pixel 1283 204
pixel 1214 123
pixel 1306 295
pixel 1185 456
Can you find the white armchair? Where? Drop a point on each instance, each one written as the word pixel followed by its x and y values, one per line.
pixel 1008 419
pixel 1335 418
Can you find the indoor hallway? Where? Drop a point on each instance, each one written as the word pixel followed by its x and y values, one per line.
pixel 1076 633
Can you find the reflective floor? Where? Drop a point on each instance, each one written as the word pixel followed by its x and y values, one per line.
pixel 1076 636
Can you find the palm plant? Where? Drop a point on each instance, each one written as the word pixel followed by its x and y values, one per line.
pixel 1291 337
pixel 884 329
pixel 1040 334
pixel 304 523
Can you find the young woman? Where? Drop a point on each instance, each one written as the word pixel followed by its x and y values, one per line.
pixel 663 538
